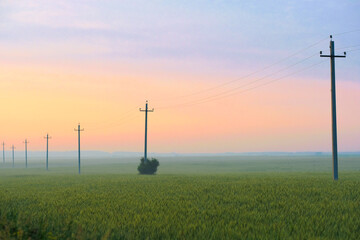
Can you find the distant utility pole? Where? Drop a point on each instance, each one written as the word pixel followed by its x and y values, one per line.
pixel 78 130
pixel 26 142
pixel 47 151
pixel 3 152
pixel 13 161
pixel 332 57
pixel 146 112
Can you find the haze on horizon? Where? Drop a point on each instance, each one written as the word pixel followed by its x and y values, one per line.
pixel 96 62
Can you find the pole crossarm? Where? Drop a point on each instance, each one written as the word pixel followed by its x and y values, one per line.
pixel 332 51
pixel 337 56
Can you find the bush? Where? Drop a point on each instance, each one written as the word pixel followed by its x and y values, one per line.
pixel 148 167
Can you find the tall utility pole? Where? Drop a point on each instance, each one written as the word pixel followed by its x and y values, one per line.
pixel 47 151
pixel 146 112
pixel 26 142
pixel 3 152
pixel 332 57
pixel 13 161
pixel 78 130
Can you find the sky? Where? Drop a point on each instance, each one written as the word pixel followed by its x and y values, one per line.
pixel 222 76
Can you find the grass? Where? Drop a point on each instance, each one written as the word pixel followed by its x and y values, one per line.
pixel 199 199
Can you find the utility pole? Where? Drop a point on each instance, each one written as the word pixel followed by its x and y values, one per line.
pixel 13 161
pixel 146 112
pixel 26 142
pixel 47 151
pixel 78 130
pixel 3 152
pixel 332 57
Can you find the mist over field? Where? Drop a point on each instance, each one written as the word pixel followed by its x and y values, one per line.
pixel 126 162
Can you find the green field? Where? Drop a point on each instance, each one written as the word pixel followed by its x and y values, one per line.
pixel 190 198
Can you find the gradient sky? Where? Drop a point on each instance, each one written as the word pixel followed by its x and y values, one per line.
pixel 96 62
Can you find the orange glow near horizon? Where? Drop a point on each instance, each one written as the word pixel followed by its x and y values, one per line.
pixel 290 115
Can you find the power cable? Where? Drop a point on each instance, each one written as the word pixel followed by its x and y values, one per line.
pixel 246 84
pixel 249 89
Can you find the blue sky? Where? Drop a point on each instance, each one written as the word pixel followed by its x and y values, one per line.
pixel 223 31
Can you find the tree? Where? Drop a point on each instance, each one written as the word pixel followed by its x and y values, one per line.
pixel 148 167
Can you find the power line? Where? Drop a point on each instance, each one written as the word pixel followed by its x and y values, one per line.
pixel 255 72
pixel 246 84
pixel 249 89
pixel 218 96
pixel 120 121
pixel 342 33
pixel 124 120
pixel 353 50
pixel 128 116
pixel 131 112
pixel 267 67
pixel 269 82
pixel 349 47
